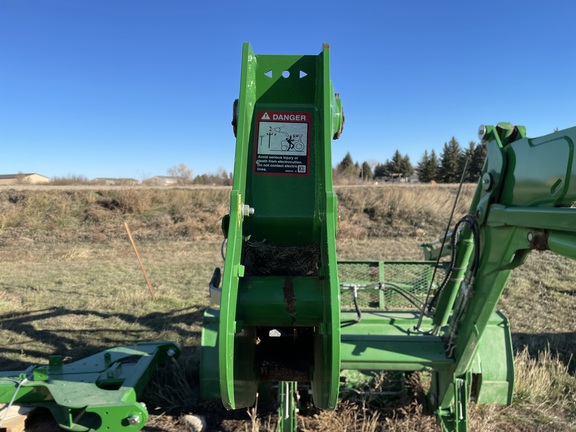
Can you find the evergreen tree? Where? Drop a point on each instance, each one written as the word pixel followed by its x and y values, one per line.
pixel 366 172
pixel 473 157
pixel 434 169
pixel 451 162
pixel 395 164
pixel 380 171
pixel 347 166
pixel 346 163
pixel 477 161
pixel 407 168
pixel 424 168
pixel 397 167
pixel 428 167
pixel 467 156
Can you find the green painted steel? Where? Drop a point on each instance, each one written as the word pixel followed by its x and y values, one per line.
pixel 519 206
pixel 291 313
pixel 209 372
pixel 493 368
pixel 447 296
pixel 388 341
pixel 282 214
pixel 287 421
pixel 98 393
pixel 542 195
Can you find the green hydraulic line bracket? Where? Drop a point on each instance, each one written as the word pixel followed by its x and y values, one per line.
pixel 455 417
pixel 98 393
pixel 287 393
pixel 448 295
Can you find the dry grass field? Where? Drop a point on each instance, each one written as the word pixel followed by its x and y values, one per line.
pixel 70 284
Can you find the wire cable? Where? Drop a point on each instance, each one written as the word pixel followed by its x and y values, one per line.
pixel 423 310
pixel 7 407
pixel 411 298
pixel 473 224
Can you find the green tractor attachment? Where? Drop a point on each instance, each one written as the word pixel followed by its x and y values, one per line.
pixel 279 304
pixel 98 393
pixel 289 312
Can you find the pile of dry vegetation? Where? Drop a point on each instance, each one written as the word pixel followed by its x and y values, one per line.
pixel 91 214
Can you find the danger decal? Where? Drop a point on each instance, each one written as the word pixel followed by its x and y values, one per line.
pixel 282 143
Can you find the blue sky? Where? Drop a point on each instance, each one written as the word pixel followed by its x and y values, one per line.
pixel 129 88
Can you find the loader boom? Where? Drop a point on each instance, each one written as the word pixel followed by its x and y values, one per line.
pixel 523 202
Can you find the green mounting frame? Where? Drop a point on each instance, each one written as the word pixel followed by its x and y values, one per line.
pixel 282 204
pixel 98 393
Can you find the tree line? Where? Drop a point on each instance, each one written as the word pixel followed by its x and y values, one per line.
pixel 453 162
pixel 183 174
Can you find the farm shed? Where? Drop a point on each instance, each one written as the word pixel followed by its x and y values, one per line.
pixel 162 181
pixel 32 178
pixel 115 181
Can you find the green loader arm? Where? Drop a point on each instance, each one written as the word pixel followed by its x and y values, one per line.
pixel 523 202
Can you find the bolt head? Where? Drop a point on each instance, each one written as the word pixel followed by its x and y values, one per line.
pixel 133 420
pixel 486 182
pixel 481 132
pixel 171 352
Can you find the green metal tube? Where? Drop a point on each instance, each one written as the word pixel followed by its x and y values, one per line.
pixel 287 414
pixel 563 244
pixel 277 301
pixel 449 293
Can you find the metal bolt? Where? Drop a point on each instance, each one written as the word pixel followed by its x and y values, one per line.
pixel 482 132
pixel 530 236
pixel 247 210
pixel 133 420
pixel 171 352
pixel 486 182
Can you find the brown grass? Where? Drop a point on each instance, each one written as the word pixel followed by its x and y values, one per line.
pixel 78 214
pixel 70 284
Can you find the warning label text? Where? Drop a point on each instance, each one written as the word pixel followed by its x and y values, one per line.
pixel 282 140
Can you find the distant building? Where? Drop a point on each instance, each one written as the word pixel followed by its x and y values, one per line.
pixel 399 178
pixel 115 181
pixel 162 181
pixel 21 178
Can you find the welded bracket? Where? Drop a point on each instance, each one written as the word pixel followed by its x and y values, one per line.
pixel 287 412
pixel 455 417
pixel 98 393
